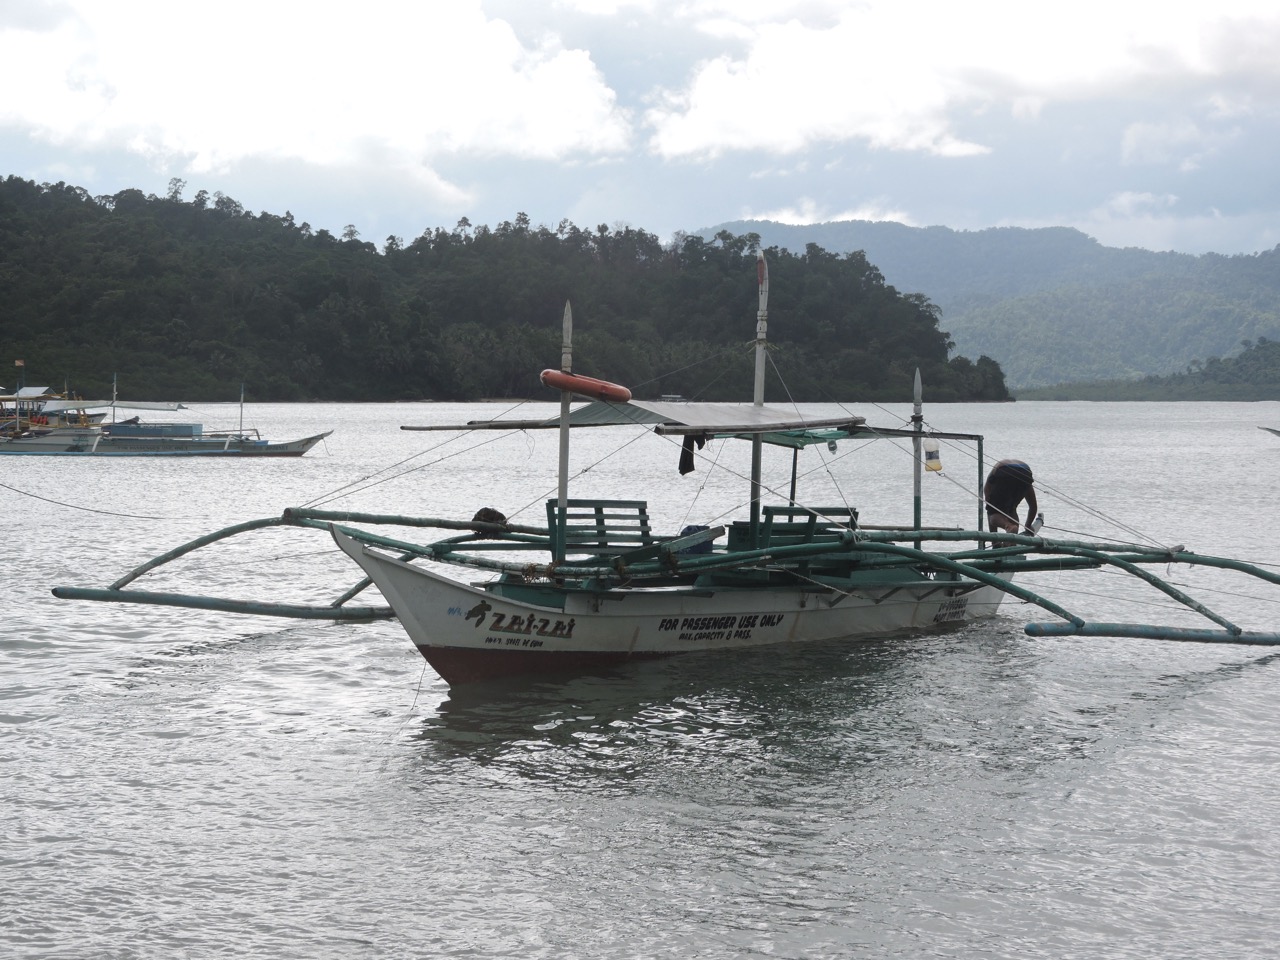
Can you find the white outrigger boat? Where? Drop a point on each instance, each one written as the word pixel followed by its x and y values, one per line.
pixel 41 422
pixel 598 586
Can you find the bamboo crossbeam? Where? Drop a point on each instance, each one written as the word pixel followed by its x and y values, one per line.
pixel 251 607
pixel 1143 631
pixel 883 548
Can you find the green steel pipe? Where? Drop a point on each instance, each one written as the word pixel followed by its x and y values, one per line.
pixel 251 607
pixel 1143 631
pixel 1226 563
pixel 981 482
pixel 1010 559
pixel 364 584
pixel 1161 585
pixel 195 545
pixel 356 590
pixel 293 514
pixel 964 569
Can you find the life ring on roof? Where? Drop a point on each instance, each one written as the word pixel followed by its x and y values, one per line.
pixel 586 386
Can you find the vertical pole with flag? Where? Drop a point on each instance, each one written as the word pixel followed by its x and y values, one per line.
pixel 917 420
pixel 757 441
pixel 562 486
pixel 22 374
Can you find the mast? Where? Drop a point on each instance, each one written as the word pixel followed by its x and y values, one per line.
pixel 757 441
pixel 562 490
pixel 917 420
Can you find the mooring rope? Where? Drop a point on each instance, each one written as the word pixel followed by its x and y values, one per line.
pixel 74 506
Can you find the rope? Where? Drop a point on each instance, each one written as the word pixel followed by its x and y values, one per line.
pixel 73 506
pixel 347 489
pixel 541 498
pixel 1131 533
pixel 825 464
pixel 690 366
pixel 408 714
pixel 706 478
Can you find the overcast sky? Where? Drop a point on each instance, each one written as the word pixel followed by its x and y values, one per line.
pixel 1152 124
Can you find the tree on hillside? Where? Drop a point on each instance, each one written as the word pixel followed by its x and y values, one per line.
pixel 188 299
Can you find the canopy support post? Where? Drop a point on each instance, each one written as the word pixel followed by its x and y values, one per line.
pixel 562 487
pixel 917 420
pixel 757 441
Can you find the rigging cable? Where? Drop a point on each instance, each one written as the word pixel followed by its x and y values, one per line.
pixel 706 477
pixel 347 489
pixel 72 506
pixel 586 469
pixel 825 463
pixel 689 366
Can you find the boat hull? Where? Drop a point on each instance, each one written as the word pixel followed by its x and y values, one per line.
pixel 472 633
pixel 92 442
pixel 60 441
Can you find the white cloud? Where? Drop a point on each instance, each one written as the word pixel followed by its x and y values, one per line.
pixel 606 8
pixel 669 113
pixel 1223 107
pixel 805 211
pixel 1131 204
pixel 1157 228
pixel 1027 107
pixel 798 85
pixel 896 75
pixel 1160 143
pixel 216 83
pixel 1181 144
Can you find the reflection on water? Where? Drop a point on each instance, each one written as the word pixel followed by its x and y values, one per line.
pixel 713 697
pixel 815 710
pixel 879 708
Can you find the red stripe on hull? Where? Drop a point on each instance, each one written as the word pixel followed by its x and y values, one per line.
pixel 457 665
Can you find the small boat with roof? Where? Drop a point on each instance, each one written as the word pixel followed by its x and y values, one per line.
pixel 35 420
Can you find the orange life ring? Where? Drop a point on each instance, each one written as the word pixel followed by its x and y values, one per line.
pixel 587 386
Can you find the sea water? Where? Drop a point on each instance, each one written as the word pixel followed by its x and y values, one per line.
pixel 179 783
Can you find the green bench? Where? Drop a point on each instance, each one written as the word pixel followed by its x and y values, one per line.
pixel 783 526
pixel 787 525
pixel 620 530
pixel 601 527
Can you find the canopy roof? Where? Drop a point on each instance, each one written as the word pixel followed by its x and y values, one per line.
pixel 784 427
pixel 51 402
pixel 26 394
pixel 55 406
pixel 702 418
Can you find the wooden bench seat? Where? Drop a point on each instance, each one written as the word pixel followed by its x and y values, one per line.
pixel 601 527
pixel 788 525
pixel 782 526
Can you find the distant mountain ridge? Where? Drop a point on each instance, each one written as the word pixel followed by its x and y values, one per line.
pixel 1052 305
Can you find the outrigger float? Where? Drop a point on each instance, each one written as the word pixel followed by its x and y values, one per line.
pixel 598 586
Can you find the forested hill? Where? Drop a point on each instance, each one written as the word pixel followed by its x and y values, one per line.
pixel 1253 375
pixel 187 299
pixel 1052 305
